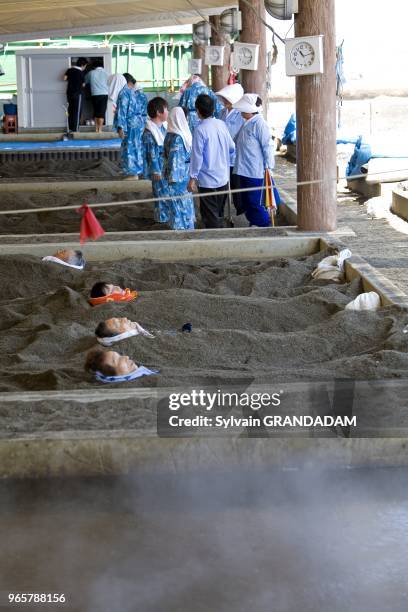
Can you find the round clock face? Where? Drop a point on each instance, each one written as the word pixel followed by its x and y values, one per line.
pixel 302 55
pixel 245 55
pixel 214 55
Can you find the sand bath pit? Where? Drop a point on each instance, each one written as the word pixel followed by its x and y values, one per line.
pixel 258 320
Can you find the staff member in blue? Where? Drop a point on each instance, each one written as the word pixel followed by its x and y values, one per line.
pixel 130 119
pixel 153 142
pixel 212 153
pixel 254 153
pixel 193 88
pixel 234 121
pixel 177 149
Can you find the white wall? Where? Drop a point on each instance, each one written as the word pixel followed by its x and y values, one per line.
pixel 375 46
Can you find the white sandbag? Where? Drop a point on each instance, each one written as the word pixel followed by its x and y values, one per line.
pixel 378 208
pixel 332 267
pixel 365 301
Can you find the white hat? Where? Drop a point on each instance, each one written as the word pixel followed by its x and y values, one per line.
pixel 232 93
pixel 247 104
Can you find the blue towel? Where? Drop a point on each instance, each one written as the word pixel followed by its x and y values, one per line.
pixel 140 371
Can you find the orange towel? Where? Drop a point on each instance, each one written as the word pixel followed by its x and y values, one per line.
pixel 128 296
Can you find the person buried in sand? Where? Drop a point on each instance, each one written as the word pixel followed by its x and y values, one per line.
pixel 102 293
pixel 116 329
pixel 67 257
pixel 111 367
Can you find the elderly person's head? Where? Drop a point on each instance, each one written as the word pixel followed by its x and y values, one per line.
pixel 114 327
pixel 75 258
pixel 109 363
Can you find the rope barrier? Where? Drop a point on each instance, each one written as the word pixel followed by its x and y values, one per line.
pixel 282 180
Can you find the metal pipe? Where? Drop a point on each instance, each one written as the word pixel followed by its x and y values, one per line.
pixel 171 65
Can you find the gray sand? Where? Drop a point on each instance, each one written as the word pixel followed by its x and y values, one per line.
pixel 261 322
pixel 263 319
pixel 124 218
pixel 134 217
pixel 60 169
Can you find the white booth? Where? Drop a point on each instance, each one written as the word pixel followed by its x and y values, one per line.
pixel 41 89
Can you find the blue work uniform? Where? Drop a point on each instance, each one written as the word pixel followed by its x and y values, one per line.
pixel 254 153
pixel 131 113
pixel 176 172
pixel 233 120
pixel 153 164
pixel 188 100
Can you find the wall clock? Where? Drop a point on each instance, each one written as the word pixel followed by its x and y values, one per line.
pixel 304 55
pixel 246 56
pixel 214 55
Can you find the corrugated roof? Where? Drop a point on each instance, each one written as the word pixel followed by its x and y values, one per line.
pixel 25 19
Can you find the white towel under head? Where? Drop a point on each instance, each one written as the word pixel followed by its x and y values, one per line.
pixel 61 262
pixel 140 371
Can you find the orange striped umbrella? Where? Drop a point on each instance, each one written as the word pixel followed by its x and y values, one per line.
pixel 269 196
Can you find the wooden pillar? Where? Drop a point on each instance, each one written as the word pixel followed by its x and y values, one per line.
pixel 198 53
pixel 219 74
pixel 316 123
pixel 253 31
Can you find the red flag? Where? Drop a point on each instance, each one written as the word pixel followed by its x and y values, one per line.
pixel 91 229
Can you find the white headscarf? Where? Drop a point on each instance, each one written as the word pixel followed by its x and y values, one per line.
pixel 116 83
pixel 232 93
pixel 156 132
pixel 247 104
pixel 177 124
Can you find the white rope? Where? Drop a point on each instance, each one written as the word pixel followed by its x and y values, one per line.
pixel 282 179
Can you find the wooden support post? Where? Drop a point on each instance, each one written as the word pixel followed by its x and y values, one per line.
pixel 316 123
pixel 198 53
pixel 253 31
pixel 219 74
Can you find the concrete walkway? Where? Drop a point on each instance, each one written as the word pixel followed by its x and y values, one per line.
pixel 383 245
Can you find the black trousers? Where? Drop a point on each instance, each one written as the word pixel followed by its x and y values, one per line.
pixel 74 112
pixel 212 206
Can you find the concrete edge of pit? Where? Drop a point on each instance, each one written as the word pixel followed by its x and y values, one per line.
pixel 112 186
pixel 162 234
pixel 183 250
pixel 399 204
pixel 113 453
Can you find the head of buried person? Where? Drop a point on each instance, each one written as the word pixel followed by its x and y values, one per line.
pixel 67 257
pixel 109 363
pixel 104 292
pixel 112 367
pixel 115 329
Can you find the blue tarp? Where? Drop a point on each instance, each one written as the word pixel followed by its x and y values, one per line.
pixel 289 134
pixel 60 145
pixel 363 152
